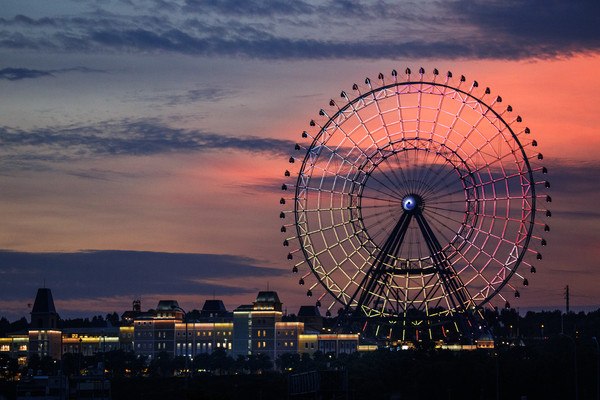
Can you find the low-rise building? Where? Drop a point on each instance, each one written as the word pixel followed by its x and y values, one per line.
pixel 255 329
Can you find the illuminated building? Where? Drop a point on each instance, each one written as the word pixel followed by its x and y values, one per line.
pixel 265 314
pixel 255 329
pixel 44 337
pixel 154 332
pixel 89 341
pixel 242 330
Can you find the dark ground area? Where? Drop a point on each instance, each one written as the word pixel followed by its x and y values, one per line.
pixel 539 371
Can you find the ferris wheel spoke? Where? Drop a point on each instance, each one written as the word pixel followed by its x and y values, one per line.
pixel 400 183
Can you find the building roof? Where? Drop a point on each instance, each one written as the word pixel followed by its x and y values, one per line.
pixel 309 311
pixel 214 306
pixel 44 304
pixel 168 305
pixel 245 307
pixel 267 297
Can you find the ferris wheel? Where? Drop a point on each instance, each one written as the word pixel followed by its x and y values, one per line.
pixel 417 193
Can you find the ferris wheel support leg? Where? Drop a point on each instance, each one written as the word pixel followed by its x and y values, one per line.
pixel 460 299
pixel 372 277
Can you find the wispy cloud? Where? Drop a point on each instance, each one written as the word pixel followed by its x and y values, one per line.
pixel 117 138
pixel 15 74
pixel 201 94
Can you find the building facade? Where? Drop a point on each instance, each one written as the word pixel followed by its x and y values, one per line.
pixel 255 329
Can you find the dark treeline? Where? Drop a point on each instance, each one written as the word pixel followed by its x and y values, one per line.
pixel 544 370
pixel 508 323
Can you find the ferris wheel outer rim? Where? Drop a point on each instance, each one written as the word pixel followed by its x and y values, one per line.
pixel 529 173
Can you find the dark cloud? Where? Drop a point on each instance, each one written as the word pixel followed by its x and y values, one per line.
pixel 27 21
pixel 15 74
pixel 117 138
pixel 261 8
pixel 514 29
pixel 537 25
pixel 90 274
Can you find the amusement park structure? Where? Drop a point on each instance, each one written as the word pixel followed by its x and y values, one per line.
pixel 414 204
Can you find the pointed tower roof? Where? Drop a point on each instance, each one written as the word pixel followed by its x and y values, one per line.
pixel 44 304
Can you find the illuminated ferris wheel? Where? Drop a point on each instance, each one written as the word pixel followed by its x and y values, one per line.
pixel 415 196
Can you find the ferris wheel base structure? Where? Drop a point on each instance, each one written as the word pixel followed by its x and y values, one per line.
pixel 414 207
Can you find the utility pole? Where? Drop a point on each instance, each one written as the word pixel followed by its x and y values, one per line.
pixel 567 297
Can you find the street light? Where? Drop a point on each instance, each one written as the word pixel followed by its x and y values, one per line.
pixel 597 368
pixel 185 318
pixel 574 364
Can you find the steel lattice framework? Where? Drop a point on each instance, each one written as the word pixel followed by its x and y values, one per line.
pixel 415 194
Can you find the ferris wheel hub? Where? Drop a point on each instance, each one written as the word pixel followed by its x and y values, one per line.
pixel 411 202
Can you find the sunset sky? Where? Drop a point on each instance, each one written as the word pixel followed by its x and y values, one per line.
pixel 143 143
